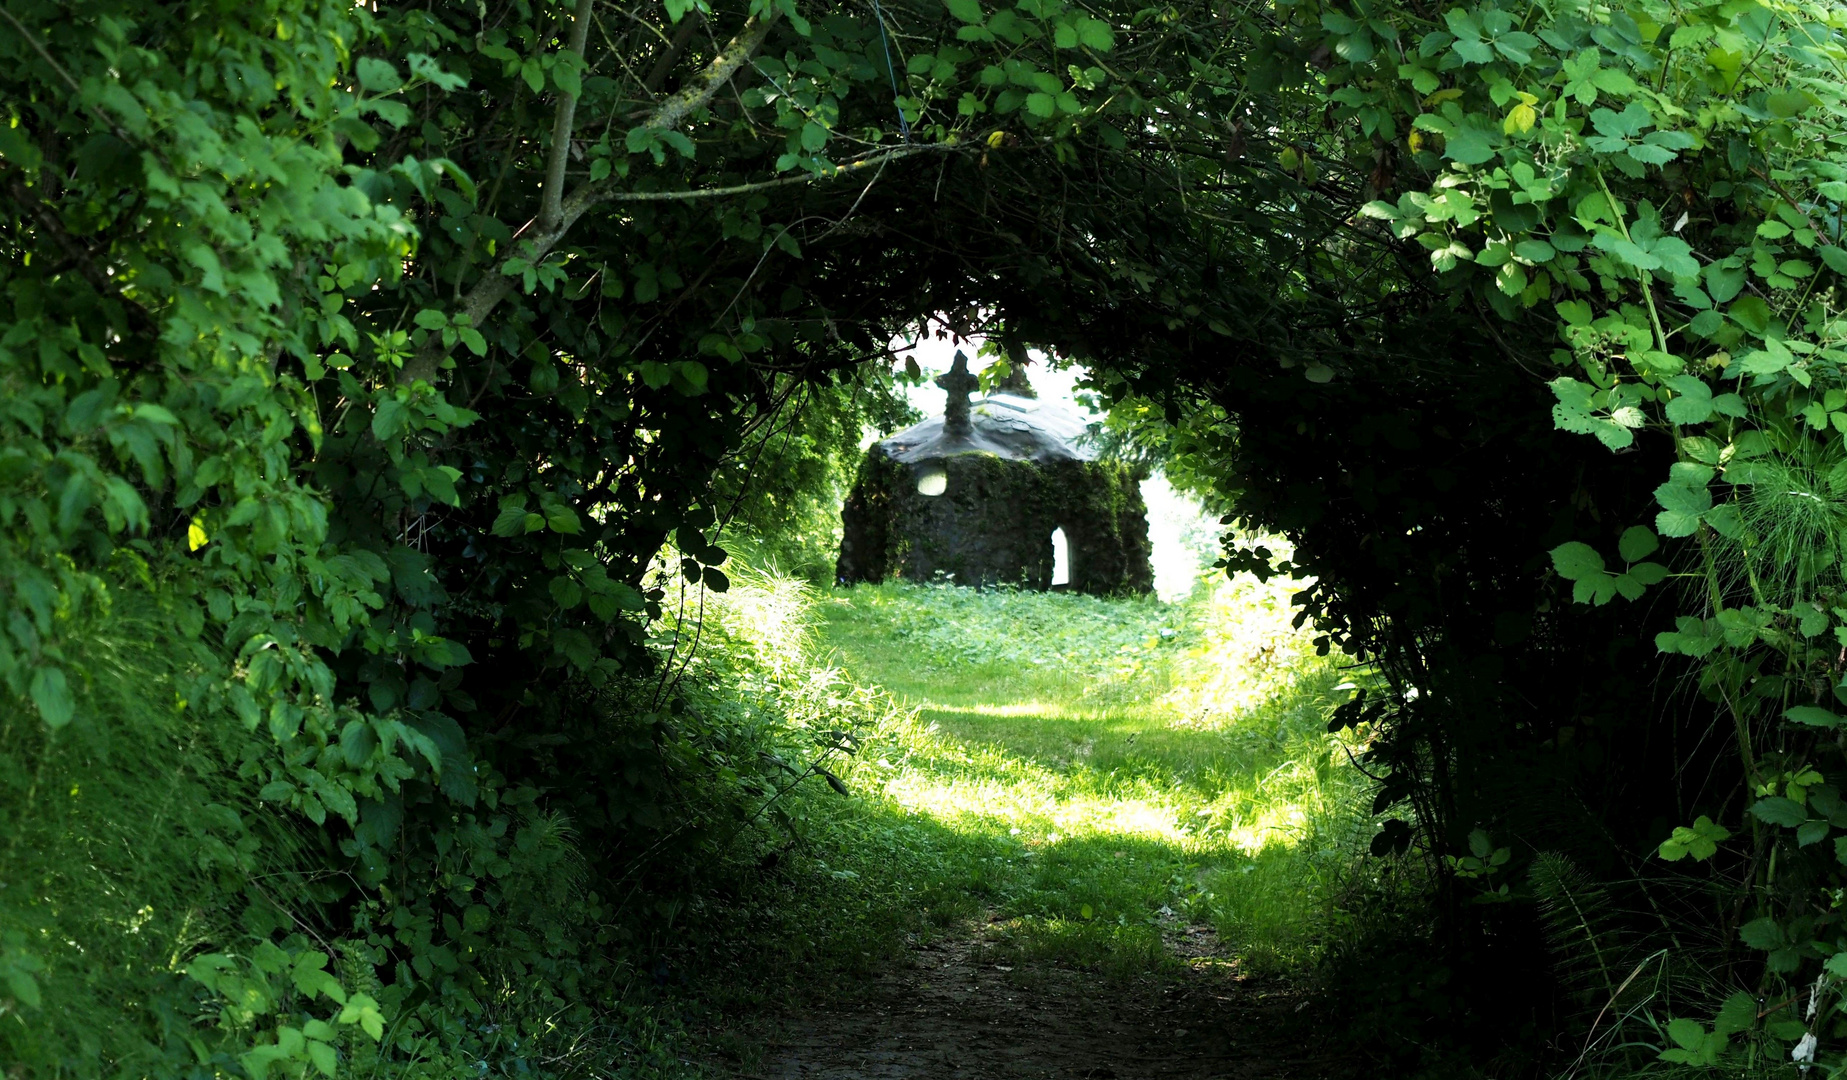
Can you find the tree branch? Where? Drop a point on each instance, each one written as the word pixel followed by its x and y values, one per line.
pixel 664 66
pixel 784 181
pixel 551 200
pixel 537 237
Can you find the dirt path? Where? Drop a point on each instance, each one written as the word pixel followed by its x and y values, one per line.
pixel 954 1011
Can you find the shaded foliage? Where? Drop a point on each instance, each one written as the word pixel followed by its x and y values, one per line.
pixel 393 344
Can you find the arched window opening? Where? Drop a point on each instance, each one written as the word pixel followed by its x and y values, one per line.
pixel 932 482
pixel 1061 559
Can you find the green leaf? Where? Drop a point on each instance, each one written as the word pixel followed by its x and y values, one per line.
pixel 566 79
pixel 1095 34
pixel 1648 573
pixel 640 140
pixel 1810 832
pixel 1470 145
pixel 1637 543
pixel 1474 50
pixel 51 695
pixel 1688 1034
pixel 511 521
pixel 1692 403
pixel 1762 934
pixel 1676 257
pixel 388 420
pixel 357 743
pixel 566 592
pixel 431 319
pixel 1041 105
pixel 1779 811
pixel 1784 104
pixel 378 76
pixel 1575 560
pixel 562 519
pixel 969 11
pixel 1649 154
pixel 362 1009
pixel 322 1056
pixel 1622 125
pixel 1682 503
pixel 1613 81
pixel 17 968
pixel 1516 45
pixel 1739 1013
pixel 1813 716
pixel 1598 589
pixel 1749 312
pixel 1701 840
pixel 1725 279
pixel 1537 251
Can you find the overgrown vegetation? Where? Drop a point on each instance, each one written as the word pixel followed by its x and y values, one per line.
pixel 357 363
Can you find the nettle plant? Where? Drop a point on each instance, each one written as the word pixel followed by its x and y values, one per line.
pixel 1666 181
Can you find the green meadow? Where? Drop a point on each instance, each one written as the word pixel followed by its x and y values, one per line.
pixel 1079 774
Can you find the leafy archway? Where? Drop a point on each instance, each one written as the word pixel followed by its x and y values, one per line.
pixel 386 347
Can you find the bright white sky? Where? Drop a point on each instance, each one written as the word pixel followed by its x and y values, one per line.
pixel 1183 538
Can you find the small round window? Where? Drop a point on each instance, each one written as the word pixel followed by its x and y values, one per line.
pixel 932 482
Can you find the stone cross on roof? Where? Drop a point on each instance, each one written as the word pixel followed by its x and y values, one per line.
pixel 958 384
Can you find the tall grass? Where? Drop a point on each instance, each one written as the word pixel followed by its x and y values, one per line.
pixel 127 837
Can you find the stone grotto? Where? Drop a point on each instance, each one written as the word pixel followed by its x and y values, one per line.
pixel 985 495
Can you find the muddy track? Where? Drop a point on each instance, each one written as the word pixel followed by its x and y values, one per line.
pixel 955 1010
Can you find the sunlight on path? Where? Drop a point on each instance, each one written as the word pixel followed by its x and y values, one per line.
pixel 1112 820
pixel 1169 759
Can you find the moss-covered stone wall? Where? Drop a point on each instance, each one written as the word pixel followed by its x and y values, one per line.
pixel 993 523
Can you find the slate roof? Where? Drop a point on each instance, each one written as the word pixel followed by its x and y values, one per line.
pixel 1018 428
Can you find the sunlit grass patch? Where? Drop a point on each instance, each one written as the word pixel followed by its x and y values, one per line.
pixel 1103 765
